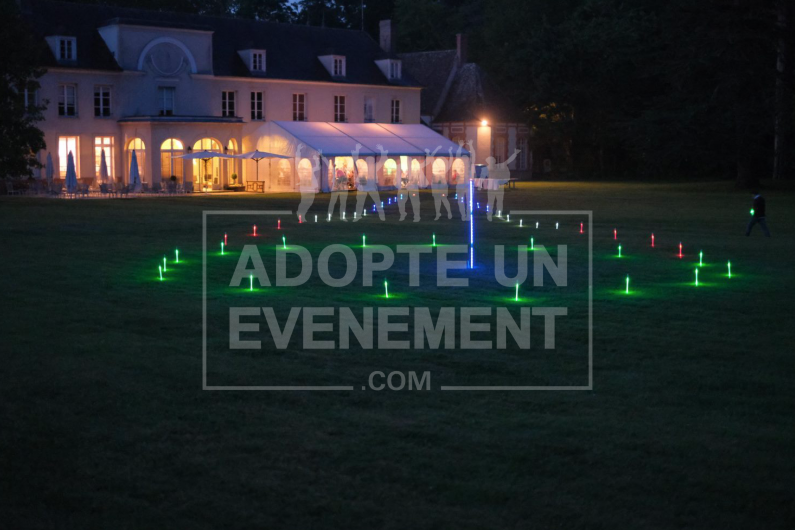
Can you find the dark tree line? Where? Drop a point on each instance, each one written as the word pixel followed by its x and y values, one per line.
pixel 611 88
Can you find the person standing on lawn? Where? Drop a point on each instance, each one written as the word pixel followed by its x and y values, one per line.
pixel 758 215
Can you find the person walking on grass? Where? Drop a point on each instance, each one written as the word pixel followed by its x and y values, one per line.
pixel 758 215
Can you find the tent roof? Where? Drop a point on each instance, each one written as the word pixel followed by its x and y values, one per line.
pixel 342 139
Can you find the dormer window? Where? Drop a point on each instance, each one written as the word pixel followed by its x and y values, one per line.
pixel 257 61
pixel 67 49
pixel 339 66
pixel 394 69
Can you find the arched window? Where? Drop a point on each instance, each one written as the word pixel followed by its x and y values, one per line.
pixel 169 165
pixel 208 171
pixel 207 144
pixel 137 145
pixel 439 170
pixel 390 171
pixel 231 163
pixel 343 173
pixel 285 177
pixel 458 171
pixel 305 173
pixel 416 171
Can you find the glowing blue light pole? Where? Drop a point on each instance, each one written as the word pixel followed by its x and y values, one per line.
pixel 471 226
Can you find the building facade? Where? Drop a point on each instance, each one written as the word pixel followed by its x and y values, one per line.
pixel 161 84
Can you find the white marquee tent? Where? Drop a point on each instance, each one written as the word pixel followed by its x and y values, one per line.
pixel 359 155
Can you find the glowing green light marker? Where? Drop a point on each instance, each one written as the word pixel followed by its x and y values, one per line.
pixel 627 285
pixel 160 268
pixel 364 239
pixel 532 244
pixel 164 264
pixel 752 211
pixel 222 248
pixel 176 251
pixel 520 223
pixel 284 242
pixel 619 251
pixel 516 298
pixel 701 258
pixel 434 239
pixel 696 276
pixel 508 219
pixel 729 265
pixel 386 289
pixel 251 282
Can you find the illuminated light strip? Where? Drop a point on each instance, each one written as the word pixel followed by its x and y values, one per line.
pixel 471 226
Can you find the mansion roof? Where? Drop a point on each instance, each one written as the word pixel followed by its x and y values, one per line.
pixel 292 50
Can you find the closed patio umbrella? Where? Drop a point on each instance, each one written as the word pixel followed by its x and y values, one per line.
pixel 256 156
pixel 204 156
pixel 103 169
pixel 135 177
pixel 71 174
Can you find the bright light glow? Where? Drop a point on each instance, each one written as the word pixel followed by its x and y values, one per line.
pixel 520 223
pixel 164 264
pixel 354 215
pixel 386 289
pixel 222 248
pixel 619 251
pixel 680 250
pixel 255 230
pixel 278 224
pixel 729 265
pixel 284 242
pixel 299 219
pixel 536 224
pixel 627 286
pixel 701 258
pixel 316 218
pixel 364 240
pixel 329 217
pixel 484 123
pixel 508 218
pixel 516 297
pixel 696 276
pixel 251 282
pixel 434 239
pixel 752 211
pixel 343 216
pixel 532 244
pixel 652 241
pixel 581 228
pixel 615 234
pixel 225 240
pixel 160 268
pixel 176 252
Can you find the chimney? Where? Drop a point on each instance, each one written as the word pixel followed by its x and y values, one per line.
pixel 461 48
pixel 388 36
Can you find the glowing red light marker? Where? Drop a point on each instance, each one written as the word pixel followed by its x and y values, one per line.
pixel 278 224
pixel 255 230
pixel 581 228
pixel 680 250
pixel 225 240
pixel 299 219
pixel 615 234
pixel 652 241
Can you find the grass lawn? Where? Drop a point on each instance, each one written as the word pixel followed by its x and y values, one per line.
pixel 104 423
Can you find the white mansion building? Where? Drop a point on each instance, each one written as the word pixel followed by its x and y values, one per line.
pixel 166 84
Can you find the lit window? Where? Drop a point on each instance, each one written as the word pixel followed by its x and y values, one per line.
pixel 103 143
pixel 67 49
pixel 137 145
pixel 101 101
pixel 299 107
pixel 66 145
pixel 165 95
pixel 339 109
pixel 339 67
pixel 394 69
pixel 67 100
pixel 395 111
pixel 169 164
pixel 258 61
pixel 227 104
pixel 369 109
pixel 257 112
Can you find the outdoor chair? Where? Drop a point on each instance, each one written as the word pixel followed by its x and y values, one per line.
pixel 124 191
pixel 156 188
